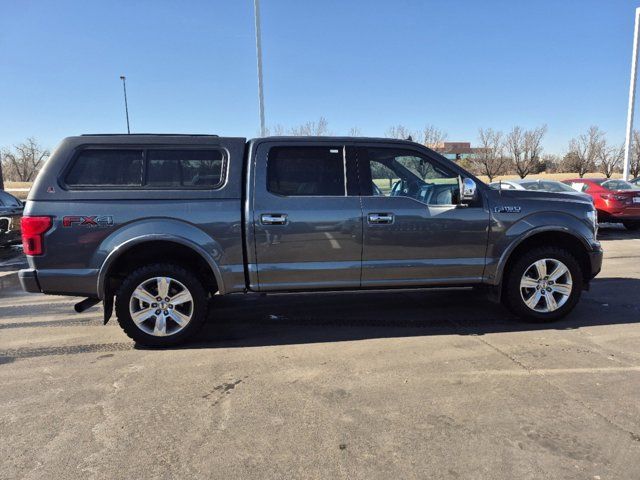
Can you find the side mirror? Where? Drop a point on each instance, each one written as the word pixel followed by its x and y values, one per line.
pixel 468 190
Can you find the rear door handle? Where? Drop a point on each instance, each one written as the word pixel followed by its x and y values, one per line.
pixel 381 218
pixel 273 218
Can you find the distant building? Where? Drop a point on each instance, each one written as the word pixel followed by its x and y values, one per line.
pixel 454 150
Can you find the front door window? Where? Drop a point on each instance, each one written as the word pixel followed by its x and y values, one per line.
pixel 397 173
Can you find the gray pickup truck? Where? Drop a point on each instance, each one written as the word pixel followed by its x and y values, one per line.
pixel 163 222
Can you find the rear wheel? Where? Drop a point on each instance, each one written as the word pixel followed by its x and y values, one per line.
pixel 161 304
pixel 544 284
pixel 631 225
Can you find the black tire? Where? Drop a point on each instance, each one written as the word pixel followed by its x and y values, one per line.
pixel 198 306
pixel 513 298
pixel 633 226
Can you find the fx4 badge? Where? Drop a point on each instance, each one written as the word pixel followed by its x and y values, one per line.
pixel 87 220
pixel 507 209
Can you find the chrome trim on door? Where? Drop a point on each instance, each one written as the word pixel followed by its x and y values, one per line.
pixel 273 219
pixel 380 218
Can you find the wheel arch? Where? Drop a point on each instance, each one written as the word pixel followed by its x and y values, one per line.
pixel 148 248
pixel 575 244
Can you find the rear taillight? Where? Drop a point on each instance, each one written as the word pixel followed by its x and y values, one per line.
pixel 33 230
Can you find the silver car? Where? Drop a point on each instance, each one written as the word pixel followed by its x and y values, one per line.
pixel 540 185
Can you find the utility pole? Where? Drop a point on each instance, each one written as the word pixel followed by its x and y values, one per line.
pixel 632 98
pixel 256 6
pixel 126 107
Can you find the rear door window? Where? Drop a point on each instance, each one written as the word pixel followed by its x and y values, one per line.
pixel 106 168
pixel 306 171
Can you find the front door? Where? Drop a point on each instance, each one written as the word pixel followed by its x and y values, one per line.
pixel 415 230
pixel 308 228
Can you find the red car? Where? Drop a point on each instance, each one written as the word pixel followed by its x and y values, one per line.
pixel 615 200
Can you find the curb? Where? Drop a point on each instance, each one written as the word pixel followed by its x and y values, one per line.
pixel 9 280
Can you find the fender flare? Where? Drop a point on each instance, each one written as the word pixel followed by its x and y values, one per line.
pixel 506 255
pixel 132 242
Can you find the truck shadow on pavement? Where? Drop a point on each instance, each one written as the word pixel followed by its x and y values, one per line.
pixel 615 231
pixel 244 321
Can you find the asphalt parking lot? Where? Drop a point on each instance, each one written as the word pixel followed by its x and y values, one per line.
pixel 404 384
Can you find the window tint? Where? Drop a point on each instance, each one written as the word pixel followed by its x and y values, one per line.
pixel 404 173
pixel 306 171
pixel 184 168
pixel 116 168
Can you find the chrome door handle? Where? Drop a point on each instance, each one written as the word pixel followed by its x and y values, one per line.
pixel 381 218
pixel 273 218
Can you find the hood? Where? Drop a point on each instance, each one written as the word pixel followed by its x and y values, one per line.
pixel 553 196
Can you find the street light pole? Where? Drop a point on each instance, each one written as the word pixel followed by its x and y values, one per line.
pixel 126 107
pixel 256 6
pixel 632 97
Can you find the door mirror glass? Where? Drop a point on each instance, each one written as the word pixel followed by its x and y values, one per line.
pixel 468 190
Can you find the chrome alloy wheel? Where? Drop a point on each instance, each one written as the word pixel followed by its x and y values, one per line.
pixel 161 306
pixel 546 285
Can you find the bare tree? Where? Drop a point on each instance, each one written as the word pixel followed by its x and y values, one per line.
pixel 489 158
pixel 24 160
pixel 400 132
pixel 433 137
pixel 276 130
pixel 634 160
pixel 311 129
pixel 609 158
pixel 583 151
pixel 355 132
pixel 551 163
pixel 525 148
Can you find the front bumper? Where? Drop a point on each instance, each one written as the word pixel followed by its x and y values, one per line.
pixel 595 258
pixel 29 281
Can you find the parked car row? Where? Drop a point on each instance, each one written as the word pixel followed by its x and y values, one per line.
pixel 10 214
pixel 615 200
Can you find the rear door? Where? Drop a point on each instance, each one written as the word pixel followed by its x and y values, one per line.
pixel 307 224
pixel 415 231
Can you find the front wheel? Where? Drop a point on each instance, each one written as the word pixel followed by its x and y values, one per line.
pixel 161 305
pixel 544 284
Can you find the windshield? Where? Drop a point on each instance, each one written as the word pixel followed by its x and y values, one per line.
pixel 531 185
pixel 618 185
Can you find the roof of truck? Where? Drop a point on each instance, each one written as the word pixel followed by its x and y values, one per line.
pixel 184 138
pixel 149 134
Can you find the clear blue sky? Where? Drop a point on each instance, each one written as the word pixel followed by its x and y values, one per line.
pixel 190 66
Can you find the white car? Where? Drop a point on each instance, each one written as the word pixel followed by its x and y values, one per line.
pixel 541 185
